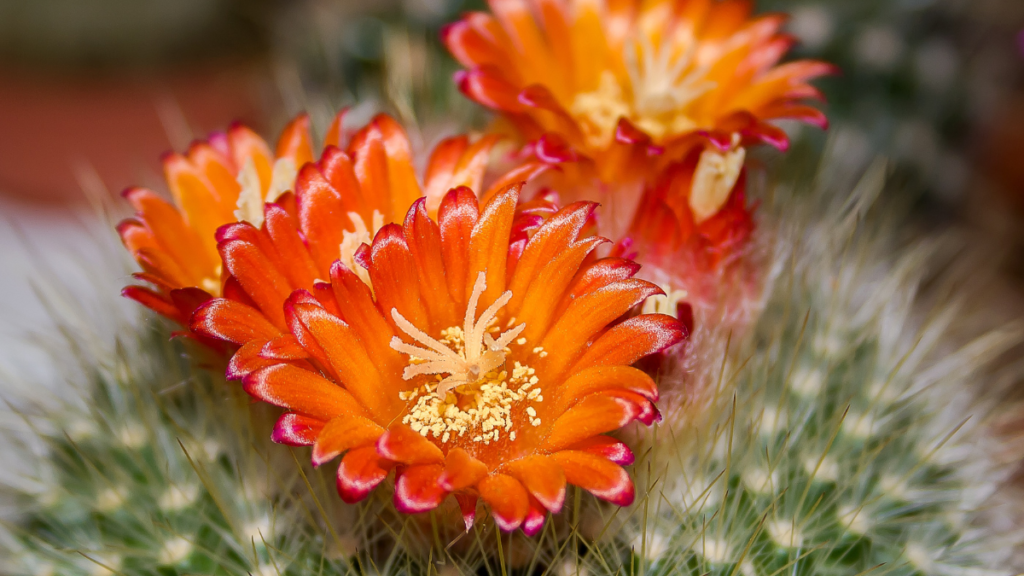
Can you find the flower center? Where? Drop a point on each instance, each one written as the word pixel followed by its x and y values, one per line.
pixel 663 81
pixel 474 396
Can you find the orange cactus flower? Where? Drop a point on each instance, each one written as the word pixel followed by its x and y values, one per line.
pixel 175 244
pixel 630 87
pixel 482 354
pixel 237 207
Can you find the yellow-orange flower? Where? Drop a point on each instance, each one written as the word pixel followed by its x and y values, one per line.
pixel 483 355
pixel 236 208
pixel 632 78
pixel 630 87
pixel 175 244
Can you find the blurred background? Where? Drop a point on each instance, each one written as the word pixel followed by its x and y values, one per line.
pixel 92 92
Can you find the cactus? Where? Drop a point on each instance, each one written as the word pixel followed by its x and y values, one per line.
pixel 841 434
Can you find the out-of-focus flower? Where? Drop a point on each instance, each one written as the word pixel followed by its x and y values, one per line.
pixel 481 355
pixel 235 207
pixel 634 86
pixel 175 243
pixel 629 90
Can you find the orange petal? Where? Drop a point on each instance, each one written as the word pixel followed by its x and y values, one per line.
pixel 155 302
pixel 361 470
pixel 603 378
pixel 392 262
pixel 469 171
pixel 508 500
pixel 217 169
pixel 371 170
pixel 488 245
pixel 424 240
pixel 296 429
pixel 172 232
pixel 440 169
pixel 336 166
pixel 461 470
pixel 295 142
pixel 400 444
pixel 596 475
pixel 232 322
pixel 601 273
pixel 456 218
pixel 360 312
pixel 248 359
pixel 246 144
pixel 590 314
pixel 336 129
pixel 545 292
pixel 417 489
pixel 487 87
pixel 631 340
pixel 403 187
pixel 591 416
pixel 534 521
pixel 543 478
pixel 560 231
pixel 342 434
pixel 258 276
pixel 327 335
pixel 302 391
pixel 195 197
pixel 606 447
pixel 321 210
pixel 296 263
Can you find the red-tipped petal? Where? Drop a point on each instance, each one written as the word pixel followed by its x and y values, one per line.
pixel 508 500
pixel 543 479
pixel 631 340
pixel 400 444
pixel 361 470
pixel 604 378
pixel 534 521
pixel 591 416
pixel 461 470
pixel 296 429
pixel 232 321
pixel 467 505
pixel 417 489
pixel 342 434
pixel 596 475
pixel 302 391
pixel 606 447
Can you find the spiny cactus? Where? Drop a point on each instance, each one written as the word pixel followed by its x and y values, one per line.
pixel 841 434
pixel 853 440
pixel 141 479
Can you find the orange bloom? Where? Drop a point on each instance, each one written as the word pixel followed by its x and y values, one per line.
pixel 483 354
pixel 175 243
pixel 631 87
pixel 236 206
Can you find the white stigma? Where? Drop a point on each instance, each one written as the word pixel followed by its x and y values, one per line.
pixel 351 241
pixel 251 197
pixel 481 352
pixel 714 179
